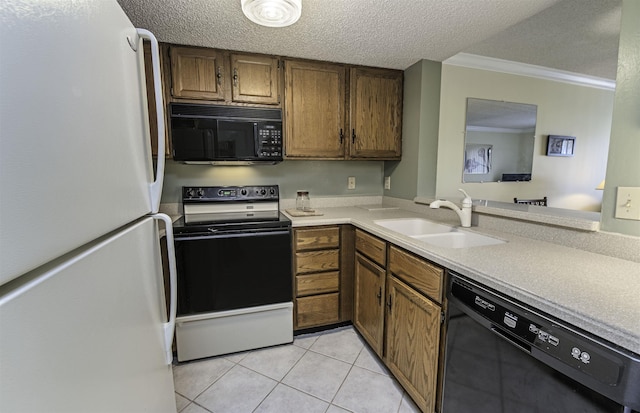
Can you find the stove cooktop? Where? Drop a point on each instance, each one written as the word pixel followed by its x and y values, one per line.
pixel 230 208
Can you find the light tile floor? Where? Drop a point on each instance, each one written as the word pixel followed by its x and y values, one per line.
pixel 333 371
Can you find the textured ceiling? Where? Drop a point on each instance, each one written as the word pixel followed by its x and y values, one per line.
pixel 574 35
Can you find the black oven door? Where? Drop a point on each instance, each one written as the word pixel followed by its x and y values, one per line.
pixel 231 271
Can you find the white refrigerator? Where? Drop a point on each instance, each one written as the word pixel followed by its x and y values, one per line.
pixel 84 326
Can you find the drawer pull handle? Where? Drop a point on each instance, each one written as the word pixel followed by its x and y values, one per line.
pixel 379 296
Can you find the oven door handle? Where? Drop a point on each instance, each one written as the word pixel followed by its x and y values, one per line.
pixel 170 326
pixel 216 235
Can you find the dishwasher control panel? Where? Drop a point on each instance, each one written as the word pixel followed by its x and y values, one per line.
pixel 534 332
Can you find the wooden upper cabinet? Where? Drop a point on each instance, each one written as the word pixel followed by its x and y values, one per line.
pixel 222 77
pixel 255 79
pixel 197 73
pixel 314 110
pixel 375 113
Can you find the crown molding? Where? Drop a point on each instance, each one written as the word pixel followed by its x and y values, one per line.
pixel 515 68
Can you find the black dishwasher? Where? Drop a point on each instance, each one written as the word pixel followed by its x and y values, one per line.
pixel 503 356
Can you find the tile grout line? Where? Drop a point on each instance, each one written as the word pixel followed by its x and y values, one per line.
pixel 306 350
pixel 345 379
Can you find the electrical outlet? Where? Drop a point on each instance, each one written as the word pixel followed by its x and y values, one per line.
pixel 387 182
pixel 628 203
pixel 351 182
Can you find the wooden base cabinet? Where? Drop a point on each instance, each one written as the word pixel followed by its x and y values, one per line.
pixel 369 307
pixel 317 276
pixel 413 340
pixel 398 311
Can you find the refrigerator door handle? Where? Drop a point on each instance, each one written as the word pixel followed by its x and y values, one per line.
pixel 169 326
pixel 155 188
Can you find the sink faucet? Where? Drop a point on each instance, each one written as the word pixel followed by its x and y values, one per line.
pixel 464 213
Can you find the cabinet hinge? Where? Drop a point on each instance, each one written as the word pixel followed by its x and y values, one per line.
pixel 441 317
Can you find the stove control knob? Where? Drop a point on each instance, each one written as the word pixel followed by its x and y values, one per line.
pixel 272 191
pixel 190 193
pixel 263 192
pixel 200 192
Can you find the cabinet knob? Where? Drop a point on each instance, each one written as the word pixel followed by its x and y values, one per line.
pixel 219 75
pixel 235 76
pixel 379 296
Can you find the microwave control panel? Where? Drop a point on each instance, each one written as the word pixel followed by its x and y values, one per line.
pixel 269 139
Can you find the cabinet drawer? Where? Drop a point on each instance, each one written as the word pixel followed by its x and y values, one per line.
pixel 317 283
pixel 372 247
pixel 317 238
pixel 317 261
pixel 317 310
pixel 418 273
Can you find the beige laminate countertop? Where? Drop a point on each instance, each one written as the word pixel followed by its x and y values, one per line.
pixel 597 293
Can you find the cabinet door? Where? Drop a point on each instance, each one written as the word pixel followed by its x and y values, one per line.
pixel 375 113
pixel 197 73
pixel 314 110
pixel 369 306
pixel 413 337
pixel 255 79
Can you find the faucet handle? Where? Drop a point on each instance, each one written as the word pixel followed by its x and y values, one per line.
pixel 466 202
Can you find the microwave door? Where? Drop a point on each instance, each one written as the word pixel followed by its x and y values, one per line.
pixel 194 139
pixel 236 140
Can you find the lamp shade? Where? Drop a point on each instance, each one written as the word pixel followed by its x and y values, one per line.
pixel 272 13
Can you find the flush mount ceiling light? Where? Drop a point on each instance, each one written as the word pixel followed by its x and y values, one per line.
pixel 272 13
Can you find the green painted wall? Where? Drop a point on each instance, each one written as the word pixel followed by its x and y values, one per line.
pixel 415 174
pixel 623 167
pixel 321 178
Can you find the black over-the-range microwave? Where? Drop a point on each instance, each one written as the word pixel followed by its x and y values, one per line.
pixel 225 135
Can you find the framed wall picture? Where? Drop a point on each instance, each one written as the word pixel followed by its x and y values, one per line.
pixel 561 145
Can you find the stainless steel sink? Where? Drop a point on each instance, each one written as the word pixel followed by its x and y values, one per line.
pixel 458 239
pixel 414 226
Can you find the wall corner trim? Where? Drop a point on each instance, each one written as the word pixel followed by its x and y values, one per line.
pixel 515 68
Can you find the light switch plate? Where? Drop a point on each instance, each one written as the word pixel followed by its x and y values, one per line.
pixel 351 182
pixel 628 203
